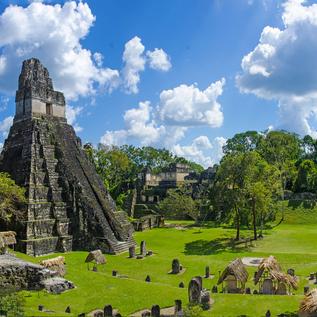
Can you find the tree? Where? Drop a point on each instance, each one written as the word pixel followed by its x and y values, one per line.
pixel 115 168
pixel 156 159
pixel 245 185
pixel 242 142
pixel 179 204
pixel 309 148
pixel 306 180
pixel 227 193
pixel 261 184
pixel 12 198
pixel 281 149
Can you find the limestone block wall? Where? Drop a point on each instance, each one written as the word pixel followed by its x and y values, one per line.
pixel 33 106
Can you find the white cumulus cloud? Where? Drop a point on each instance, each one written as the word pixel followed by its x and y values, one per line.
pixel 283 66
pixel 190 106
pixel 159 60
pixel 52 33
pixel 134 63
pixel 165 125
pixel 202 150
pixel 5 126
pixel 135 60
pixel 139 126
pixel 71 115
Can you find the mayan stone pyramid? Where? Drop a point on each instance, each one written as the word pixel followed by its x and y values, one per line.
pixel 68 207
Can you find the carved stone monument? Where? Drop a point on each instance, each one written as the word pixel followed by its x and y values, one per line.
pixel 68 206
pixel 176 267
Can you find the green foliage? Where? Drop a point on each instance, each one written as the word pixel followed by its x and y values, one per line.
pixel 179 205
pixel 115 169
pixel 155 159
pixel 245 187
pixel 12 198
pixel 193 311
pixel 12 304
pixel 243 142
pixel 281 149
pixel 119 167
pixel 306 180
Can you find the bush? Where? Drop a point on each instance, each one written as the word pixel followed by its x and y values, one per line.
pixel 193 311
pixel 12 304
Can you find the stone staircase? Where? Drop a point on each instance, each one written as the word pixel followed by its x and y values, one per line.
pixel 122 246
pixel 47 224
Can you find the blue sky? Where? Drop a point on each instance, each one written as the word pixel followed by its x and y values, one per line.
pixel 148 83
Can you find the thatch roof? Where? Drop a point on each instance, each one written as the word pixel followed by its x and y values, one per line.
pixel 309 303
pixel 267 265
pixel 272 267
pixel 284 278
pixel 7 238
pixel 57 261
pixel 96 256
pixel 237 269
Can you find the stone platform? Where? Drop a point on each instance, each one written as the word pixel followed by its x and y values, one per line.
pixel 16 274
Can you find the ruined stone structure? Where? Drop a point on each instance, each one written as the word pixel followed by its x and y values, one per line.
pixel 152 188
pixel 68 206
pixel 17 274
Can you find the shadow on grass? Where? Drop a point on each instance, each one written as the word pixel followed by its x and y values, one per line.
pixel 219 245
pixel 287 314
pixel 307 204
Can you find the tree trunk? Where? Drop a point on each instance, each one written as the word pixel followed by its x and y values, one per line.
pixel 237 225
pixel 262 225
pixel 254 220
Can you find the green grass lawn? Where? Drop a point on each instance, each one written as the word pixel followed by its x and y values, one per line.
pixel 294 245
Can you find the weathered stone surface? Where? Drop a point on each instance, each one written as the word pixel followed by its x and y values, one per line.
pixel 176 267
pixel 108 311
pixel 143 248
pixel 132 252
pixel 57 285
pixel 178 307
pixel 155 311
pixel 194 291
pixel 207 272
pixel 291 272
pixel 68 206
pixel 20 275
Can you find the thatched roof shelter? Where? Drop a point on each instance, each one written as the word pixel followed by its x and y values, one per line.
pixel 237 269
pixel 96 257
pixel 7 238
pixel 308 306
pixel 269 264
pixel 287 279
pixel 55 264
pixel 269 268
pixel 60 260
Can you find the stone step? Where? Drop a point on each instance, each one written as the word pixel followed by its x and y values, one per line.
pixel 122 246
pixel 37 211
pixel 39 247
pixel 39 192
pixel 60 212
pixel 41 228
